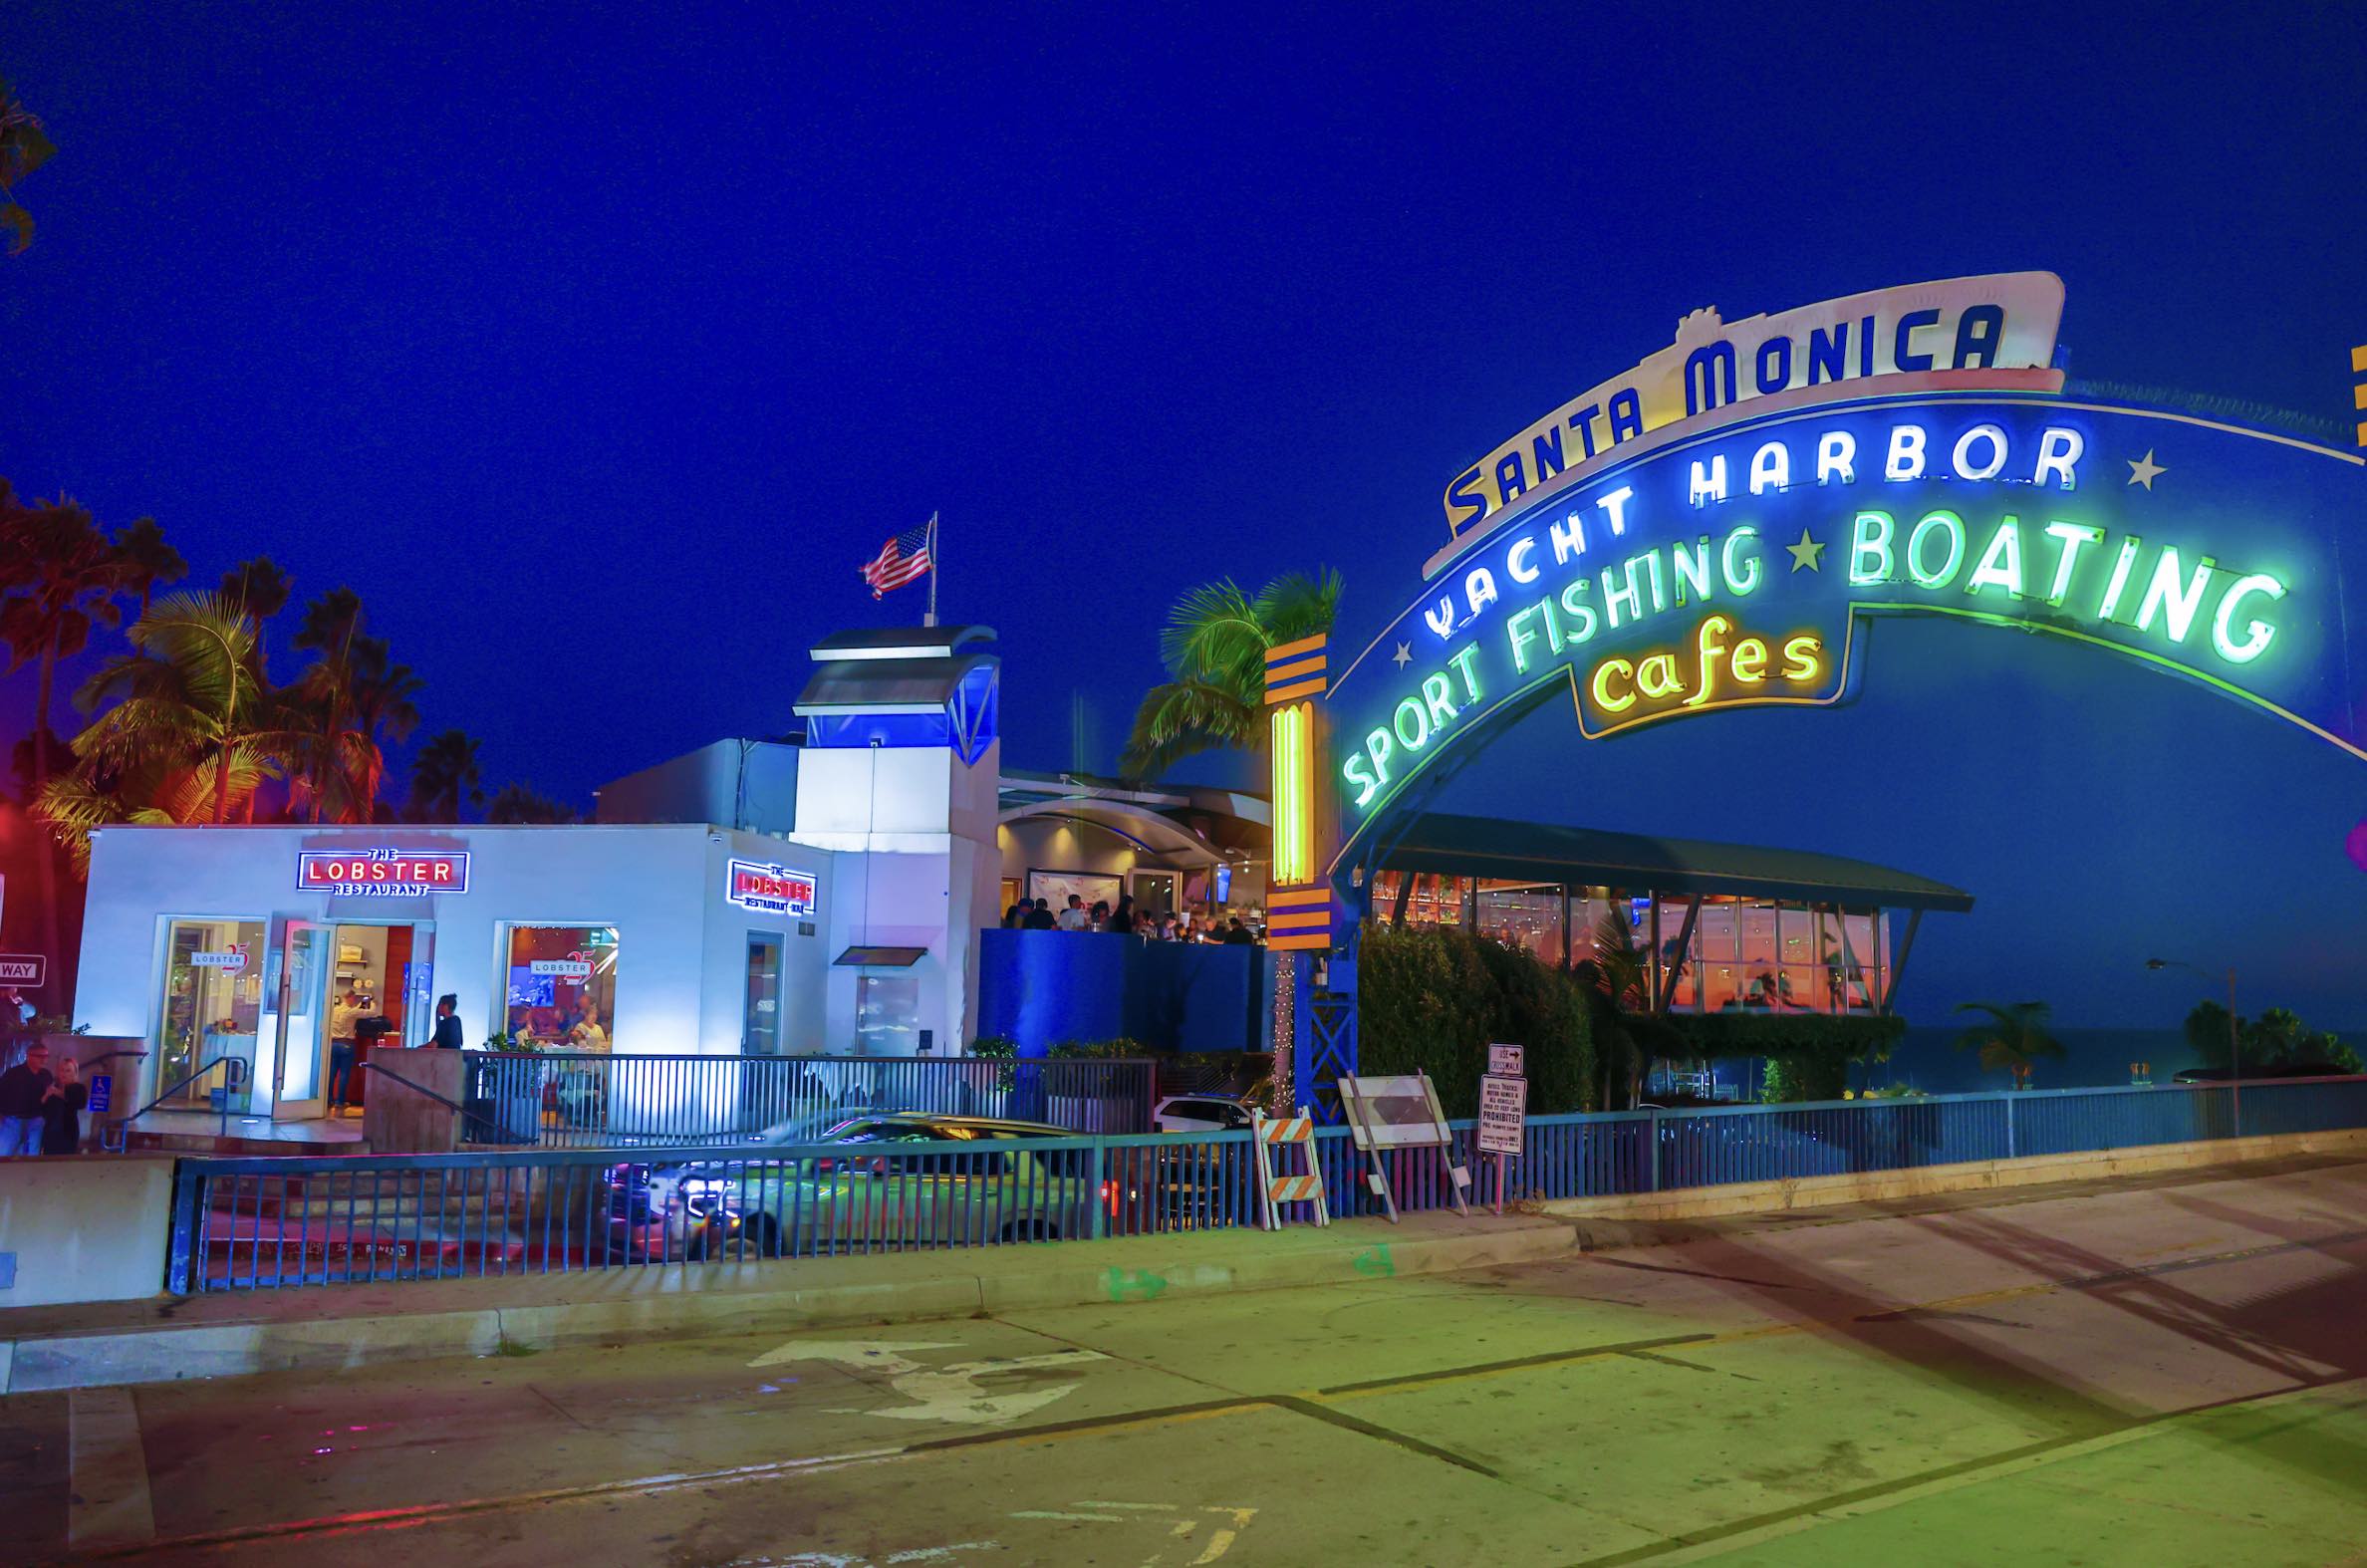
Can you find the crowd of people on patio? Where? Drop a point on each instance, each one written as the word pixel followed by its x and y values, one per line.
pixel 1124 919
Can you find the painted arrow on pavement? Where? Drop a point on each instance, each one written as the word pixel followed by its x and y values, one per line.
pixel 947 1394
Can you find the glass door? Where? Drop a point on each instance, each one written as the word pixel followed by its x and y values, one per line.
pixel 760 1025
pixel 302 1065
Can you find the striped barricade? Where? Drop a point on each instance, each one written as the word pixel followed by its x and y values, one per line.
pixel 1271 1133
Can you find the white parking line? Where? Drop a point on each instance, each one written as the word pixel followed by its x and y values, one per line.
pixel 108 1503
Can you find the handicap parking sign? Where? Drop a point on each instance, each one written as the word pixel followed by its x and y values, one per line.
pixel 101 1091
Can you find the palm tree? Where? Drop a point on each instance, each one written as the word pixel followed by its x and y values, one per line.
pixel 148 560
pixel 444 772
pixel 160 781
pixel 188 694
pixel 59 574
pixel 1214 649
pixel 24 147
pixel 520 803
pixel 336 775
pixel 257 588
pixel 2014 1038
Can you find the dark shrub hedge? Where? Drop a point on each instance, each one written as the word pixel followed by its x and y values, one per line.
pixel 1432 999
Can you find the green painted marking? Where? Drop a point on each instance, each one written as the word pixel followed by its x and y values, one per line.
pixel 1373 1262
pixel 1135 1284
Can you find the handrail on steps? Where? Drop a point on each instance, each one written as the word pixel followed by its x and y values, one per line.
pixel 116 1137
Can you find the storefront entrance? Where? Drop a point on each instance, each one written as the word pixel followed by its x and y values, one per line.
pixel 293 1019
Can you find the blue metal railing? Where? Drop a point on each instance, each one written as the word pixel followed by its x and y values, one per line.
pixel 587 1100
pixel 265 1222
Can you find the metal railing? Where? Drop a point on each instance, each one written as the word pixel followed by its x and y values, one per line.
pixel 115 1137
pixel 264 1222
pixel 557 1101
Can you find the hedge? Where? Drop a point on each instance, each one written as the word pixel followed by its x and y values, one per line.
pixel 1433 999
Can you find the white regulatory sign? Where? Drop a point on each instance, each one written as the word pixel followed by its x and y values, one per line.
pixel 1503 1112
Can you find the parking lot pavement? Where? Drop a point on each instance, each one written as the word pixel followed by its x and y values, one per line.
pixel 2165 1375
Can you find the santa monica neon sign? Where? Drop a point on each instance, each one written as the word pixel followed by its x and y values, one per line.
pixel 1730 561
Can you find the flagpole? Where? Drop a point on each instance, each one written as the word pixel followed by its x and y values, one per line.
pixel 931 619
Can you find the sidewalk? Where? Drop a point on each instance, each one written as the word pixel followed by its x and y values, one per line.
pixel 229 1334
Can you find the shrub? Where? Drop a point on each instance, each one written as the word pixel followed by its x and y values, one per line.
pixel 1432 999
pixel 1808 1054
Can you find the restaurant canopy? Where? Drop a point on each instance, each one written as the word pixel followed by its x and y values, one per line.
pixel 1542 853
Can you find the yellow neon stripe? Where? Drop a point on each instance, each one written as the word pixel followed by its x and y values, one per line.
pixel 1306 666
pixel 1315 943
pixel 1282 897
pixel 1299 921
pixel 1305 645
pixel 1291 693
pixel 2359 360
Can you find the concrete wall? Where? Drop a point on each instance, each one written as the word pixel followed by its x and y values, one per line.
pixel 681 949
pixel 84 1228
pixel 745 784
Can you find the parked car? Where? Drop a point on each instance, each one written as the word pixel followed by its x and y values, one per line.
pixel 885 1191
pixel 1201 1114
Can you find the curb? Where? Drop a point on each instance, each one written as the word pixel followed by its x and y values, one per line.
pixel 1875 1187
pixel 172 1351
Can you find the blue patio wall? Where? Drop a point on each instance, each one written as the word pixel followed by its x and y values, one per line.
pixel 1042 988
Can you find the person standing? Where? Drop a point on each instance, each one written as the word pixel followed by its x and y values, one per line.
pixel 62 1108
pixel 343 1017
pixel 1040 918
pixel 447 1022
pixel 1074 917
pixel 22 1089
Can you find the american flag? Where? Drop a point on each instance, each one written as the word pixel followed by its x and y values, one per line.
pixel 901 560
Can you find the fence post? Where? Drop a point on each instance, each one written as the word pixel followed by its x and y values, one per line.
pixel 1093 1192
pixel 186 1187
pixel 2010 1127
pixel 1652 1145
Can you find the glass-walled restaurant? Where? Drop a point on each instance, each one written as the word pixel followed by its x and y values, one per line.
pixel 1742 954
pixel 1727 928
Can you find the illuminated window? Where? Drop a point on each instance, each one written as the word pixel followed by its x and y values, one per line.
pixel 561 986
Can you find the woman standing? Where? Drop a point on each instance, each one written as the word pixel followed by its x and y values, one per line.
pixel 61 1110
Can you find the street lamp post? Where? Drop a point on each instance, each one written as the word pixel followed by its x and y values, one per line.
pixel 2235 1049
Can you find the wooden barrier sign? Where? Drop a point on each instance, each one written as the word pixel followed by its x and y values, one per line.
pixel 1401 1112
pixel 1272 1134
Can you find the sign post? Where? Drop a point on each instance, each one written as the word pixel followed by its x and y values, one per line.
pixel 1503 1112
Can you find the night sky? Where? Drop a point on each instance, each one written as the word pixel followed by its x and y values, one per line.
pixel 599 349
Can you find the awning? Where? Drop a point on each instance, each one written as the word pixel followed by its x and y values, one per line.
pixel 1585 856
pixel 886 685
pixel 878 958
pixel 899 642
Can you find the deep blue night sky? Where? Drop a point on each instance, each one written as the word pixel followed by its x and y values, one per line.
pixel 598 350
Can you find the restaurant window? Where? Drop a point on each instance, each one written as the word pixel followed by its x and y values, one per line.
pixel 1525 917
pixel 562 986
pixel 1717 953
pixel 212 1005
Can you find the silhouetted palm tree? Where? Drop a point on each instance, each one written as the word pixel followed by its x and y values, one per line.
pixel 442 775
pixel 59 574
pixel 2014 1038
pixel 520 803
pixel 1214 648
pixel 257 588
pixel 148 560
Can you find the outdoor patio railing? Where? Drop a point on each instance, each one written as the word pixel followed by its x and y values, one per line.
pixel 555 1100
pixel 263 1222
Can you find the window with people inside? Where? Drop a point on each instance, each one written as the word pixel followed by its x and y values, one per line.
pixel 1741 955
pixel 562 988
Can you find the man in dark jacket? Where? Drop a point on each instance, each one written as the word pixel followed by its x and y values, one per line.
pixel 448 1021
pixel 22 1088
